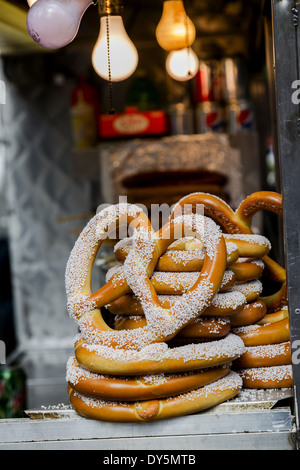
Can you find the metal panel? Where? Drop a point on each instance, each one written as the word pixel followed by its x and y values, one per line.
pixel 253 420
pixel 286 54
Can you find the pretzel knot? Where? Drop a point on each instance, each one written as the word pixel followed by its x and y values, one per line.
pixel 240 222
pixel 162 323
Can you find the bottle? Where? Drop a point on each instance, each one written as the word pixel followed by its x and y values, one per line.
pixel 84 114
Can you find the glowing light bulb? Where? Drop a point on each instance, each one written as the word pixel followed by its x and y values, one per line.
pixel 175 30
pixel 31 2
pixel 123 55
pixel 55 23
pixel 182 65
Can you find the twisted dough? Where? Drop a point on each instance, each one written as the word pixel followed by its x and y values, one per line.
pixel 265 355
pixel 267 333
pixel 187 403
pixel 267 377
pixel 222 305
pixel 239 222
pixel 146 387
pixel 202 327
pixel 162 324
pixel 157 358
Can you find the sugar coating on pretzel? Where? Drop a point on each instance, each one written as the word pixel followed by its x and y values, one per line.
pixel 267 333
pixel 163 292
pixel 183 404
pixel 265 355
pixel 157 357
pixel 202 327
pixel 223 304
pixel 267 377
pixel 252 313
pixel 239 222
pixel 161 323
pixel 139 388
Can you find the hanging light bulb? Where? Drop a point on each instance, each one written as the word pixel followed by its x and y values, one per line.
pixel 31 2
pixel 55 23
pixel 175 30
pixel 114 56
pixel 183 64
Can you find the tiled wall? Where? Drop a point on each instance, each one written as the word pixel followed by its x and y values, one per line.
pixel 40 189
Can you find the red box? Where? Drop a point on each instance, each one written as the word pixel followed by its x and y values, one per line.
pixel 133 123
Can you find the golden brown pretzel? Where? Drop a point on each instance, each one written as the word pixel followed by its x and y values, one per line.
pixel 240 222
pixel 265 356
pixel 187 403
pixel 157 358
pixel 247 270
pixel 176 283
pixel 233 222
pixel 139 388
pixel 267 377
pixel 274 317
pixel 202 327
pixel 162 323
pixel 251 314
pixel 187 254
pixel 268 333
pixel 223 304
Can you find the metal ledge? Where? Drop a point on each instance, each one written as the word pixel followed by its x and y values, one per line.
pixel 257 420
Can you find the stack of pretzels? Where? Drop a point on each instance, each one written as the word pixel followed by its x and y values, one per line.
pixel 185 301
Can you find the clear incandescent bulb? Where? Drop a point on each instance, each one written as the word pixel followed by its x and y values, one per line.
pixel 182 65
pixel 175 30
pixel 55 23
pixel 122 55
pixel 31 2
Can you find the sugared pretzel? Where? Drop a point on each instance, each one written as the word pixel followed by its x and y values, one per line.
pixel 233 222
pixel 267 377
pixel 223 304
pixel 162 324
pixel 145 387
pixel 268 333
pixel 187 403
pixel 265 356
pixel 157 358
pixel 252 313
pixel 202 327
pixel 240 222
pixel 188 253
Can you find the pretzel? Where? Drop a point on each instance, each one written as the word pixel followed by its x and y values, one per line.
pixel 274 317
pixel 142 411
pixel 222 305
pixel 139 388
pixel 251 313
pixel 176 283
pixel 162 324
pixel 187 254
pixel 239 222
pixel 268 333
pixel 265 356
pixel 267 377
pixel 233 222
pixel 157 358
pixel 202 327
pixel 247 270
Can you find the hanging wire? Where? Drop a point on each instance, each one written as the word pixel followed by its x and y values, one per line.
pixel 110 85
pixel 187 37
